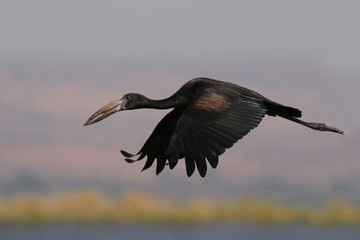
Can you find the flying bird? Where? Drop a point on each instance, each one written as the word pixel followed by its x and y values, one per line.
pixel 208 117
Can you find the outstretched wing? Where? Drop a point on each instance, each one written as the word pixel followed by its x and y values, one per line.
pixel 210 124
pixel 158 142
pixel 202 130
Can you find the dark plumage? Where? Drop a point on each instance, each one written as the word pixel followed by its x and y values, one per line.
pixel 208 117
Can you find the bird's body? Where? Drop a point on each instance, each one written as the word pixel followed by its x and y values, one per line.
pixel 208 117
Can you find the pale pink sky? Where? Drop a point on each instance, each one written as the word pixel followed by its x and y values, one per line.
pixel 60 63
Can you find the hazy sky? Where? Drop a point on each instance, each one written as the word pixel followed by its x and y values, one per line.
pixel 167 30
pixel 62 60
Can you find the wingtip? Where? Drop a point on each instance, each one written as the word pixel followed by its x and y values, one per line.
pixel 126 154
pixel 128 160
pixel 202 174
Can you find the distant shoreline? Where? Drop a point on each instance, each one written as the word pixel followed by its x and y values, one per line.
pixel 136 207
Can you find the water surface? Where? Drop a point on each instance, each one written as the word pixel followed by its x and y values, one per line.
pixel 160 232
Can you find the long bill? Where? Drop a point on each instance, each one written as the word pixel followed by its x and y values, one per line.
pixel 110 108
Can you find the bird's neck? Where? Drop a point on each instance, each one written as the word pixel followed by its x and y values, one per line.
pixel 170 102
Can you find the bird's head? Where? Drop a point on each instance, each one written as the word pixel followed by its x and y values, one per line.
pixel 127 102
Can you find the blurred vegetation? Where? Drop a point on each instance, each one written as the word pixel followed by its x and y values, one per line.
pixel 137 207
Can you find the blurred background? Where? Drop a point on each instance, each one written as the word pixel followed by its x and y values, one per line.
pixel 62 60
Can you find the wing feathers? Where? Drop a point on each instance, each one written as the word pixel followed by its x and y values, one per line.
pixel 149 161
pixel 161 161
pixel 203 129
pixel 189 159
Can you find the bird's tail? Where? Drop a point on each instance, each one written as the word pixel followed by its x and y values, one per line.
pixel 276 109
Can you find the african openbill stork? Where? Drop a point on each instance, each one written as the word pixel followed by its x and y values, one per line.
pixel 208 117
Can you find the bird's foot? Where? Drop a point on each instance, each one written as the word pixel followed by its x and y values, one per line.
pixel 324 127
